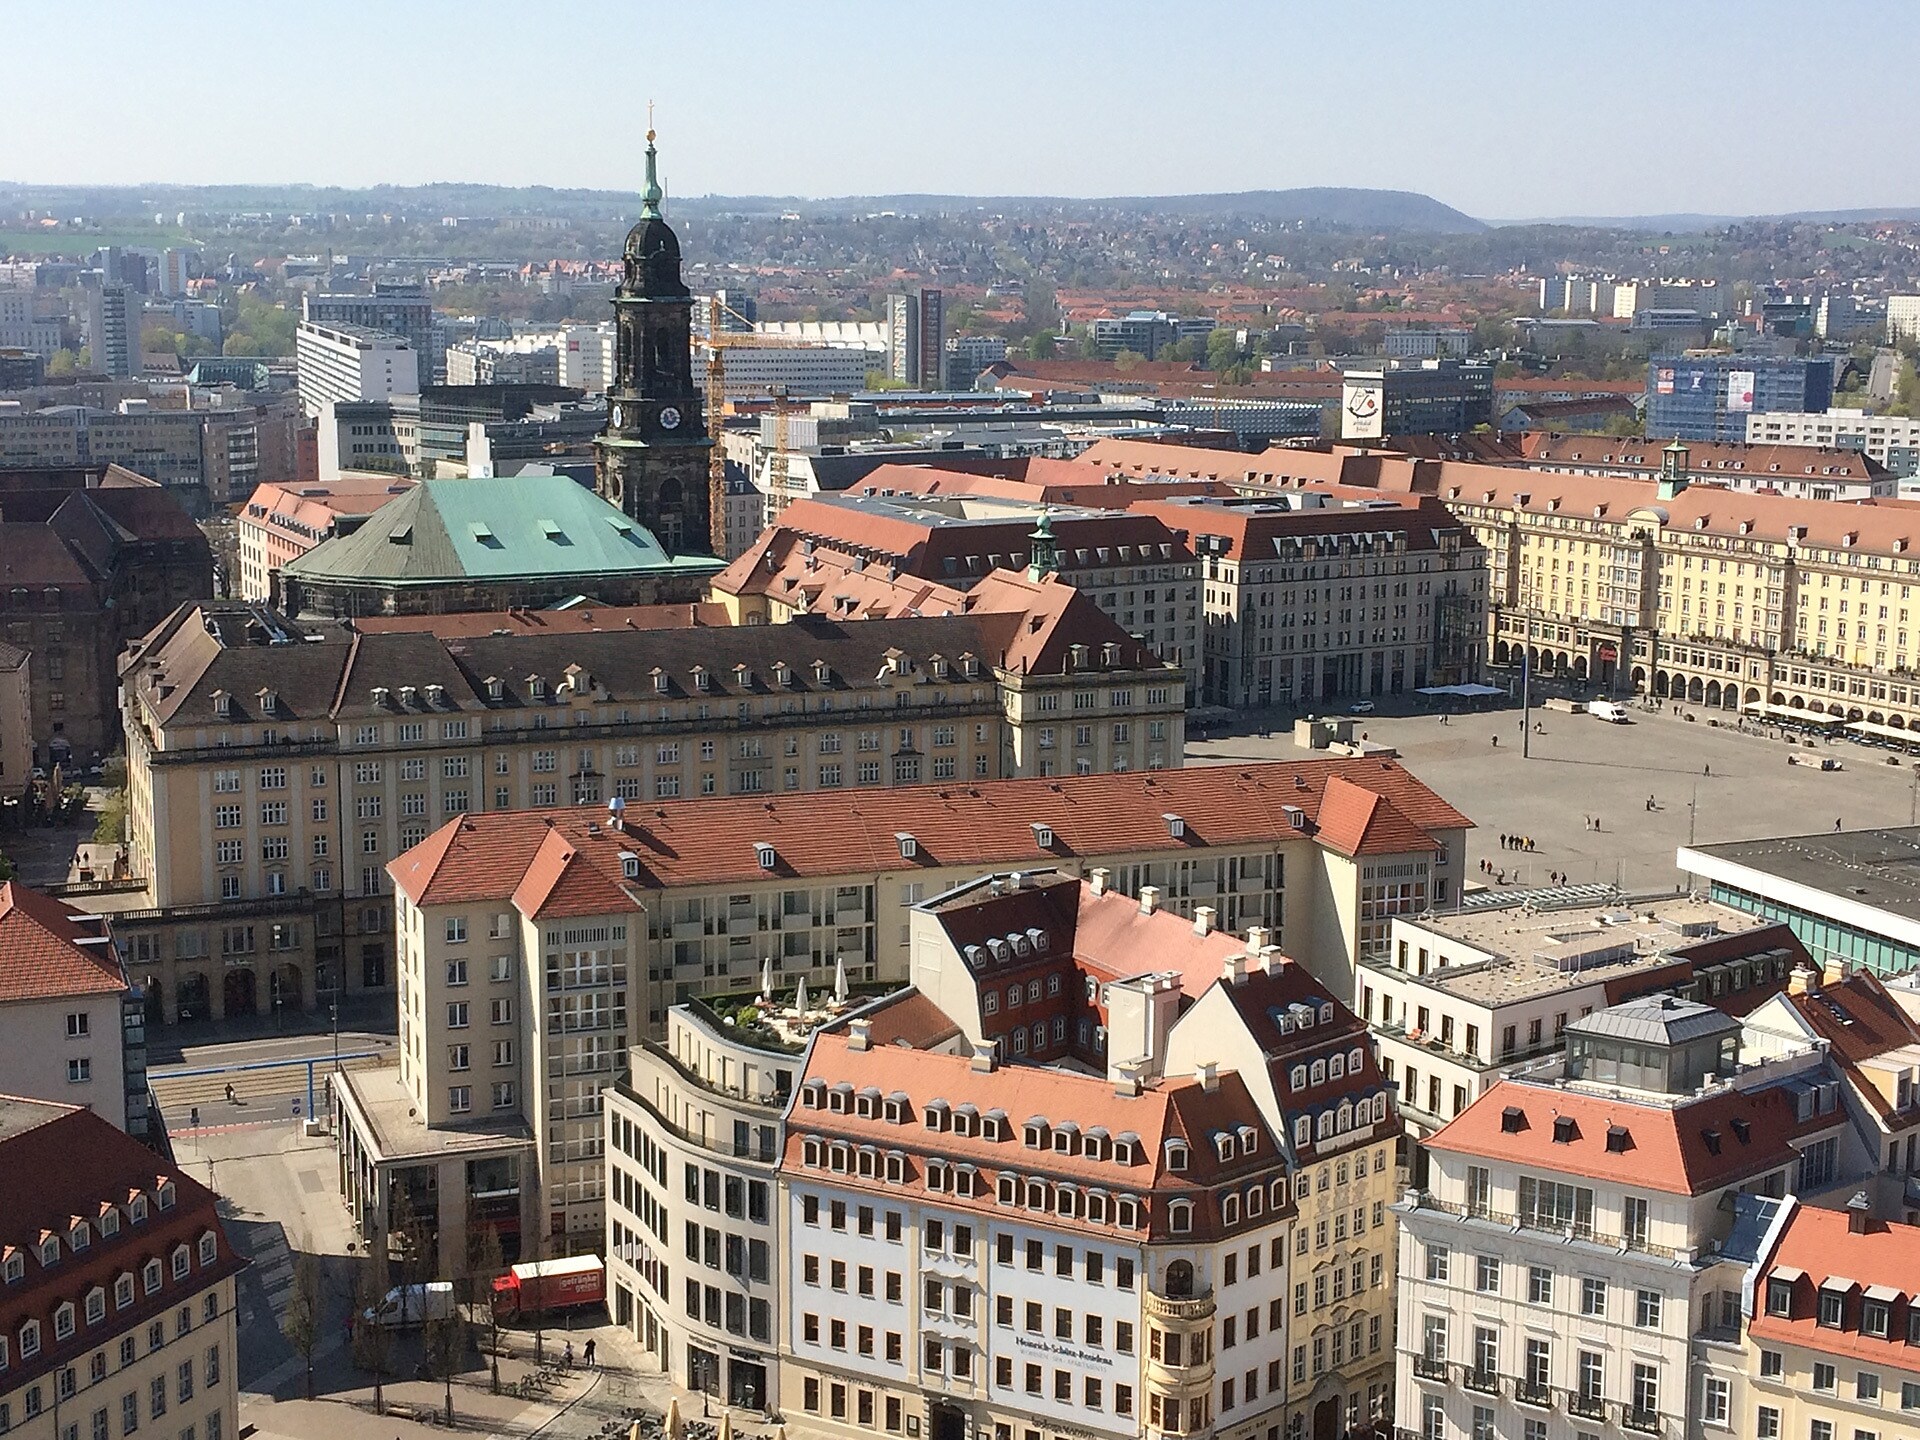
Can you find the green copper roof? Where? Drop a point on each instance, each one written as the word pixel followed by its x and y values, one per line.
pixel 533 526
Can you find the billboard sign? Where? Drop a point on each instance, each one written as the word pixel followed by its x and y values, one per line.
pixel 1360 409
pixel 1663 382
pixel 1740 390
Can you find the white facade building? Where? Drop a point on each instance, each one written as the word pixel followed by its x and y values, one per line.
pixel 1877 436
pixel 339 362
pixel 1903 319
pixel 754 372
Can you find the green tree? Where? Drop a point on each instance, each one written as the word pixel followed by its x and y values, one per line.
pixel 1223 349
pixel 63 362
pixel 306 1312
pixel 111 827
pixel 1125 360
pixel 1188 350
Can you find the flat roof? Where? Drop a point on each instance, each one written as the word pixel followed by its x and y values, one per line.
pixel 1535 951
pixel 1878 869
pixel 396 1132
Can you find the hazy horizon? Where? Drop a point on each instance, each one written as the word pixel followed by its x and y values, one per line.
pixel 1502 111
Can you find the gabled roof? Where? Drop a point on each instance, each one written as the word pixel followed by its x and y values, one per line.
pixel 42 954
pixel 1816 1246
pixel 494 529
pixel 1357 821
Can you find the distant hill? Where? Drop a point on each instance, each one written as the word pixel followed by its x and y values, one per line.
pixel 1326 205
pixel 1685 224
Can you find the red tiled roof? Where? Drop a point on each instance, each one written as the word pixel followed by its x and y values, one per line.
pixel 40 951
pixel 1821 1245
pixel 59 1163
pixel 1355 821
pixel 1668 1148
pixel 711 841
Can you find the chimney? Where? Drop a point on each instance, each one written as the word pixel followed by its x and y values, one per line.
pixel 1258 938
pixel 1203 919
pixel 1126 1082
pixel 983 1053
pixel 1233 969
pixel 859 1034
pixel 1859 1209
pixel 1803 981
pixel 1098 877
pixel 1208 1074
pixel 1149 899
pixel 1272 957
pixel 1834 972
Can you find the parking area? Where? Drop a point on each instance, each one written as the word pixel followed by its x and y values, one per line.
pixel 1706 783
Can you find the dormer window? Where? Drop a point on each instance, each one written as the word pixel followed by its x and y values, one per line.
pixel 1176 1152
pixel 80 1236
pixel 269 702
pixel 50 1250
pixel 1043 836
pixel 496 688
pixel 765 854
pixel 822 672
pixel 536 687
pixel 1230 1210
pixel 96 1305
pixel 222 705
pixel 1180 1217
pixel 182 1262
pixel 122 1291
pixel 109 1220
pixel 1249 1139
pixel 1565 1131
pixel 16 1267
pixel 1224 1146
pixel 1036 1134
pixel 150 1277
pixel 1126 1150
pixel 701 680
pixel 909 847
pixel 63 1321
pixel 29 1339
pixel 937 1115
pixel 1297 1078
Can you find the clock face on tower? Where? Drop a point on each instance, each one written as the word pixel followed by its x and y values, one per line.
pixel 670 418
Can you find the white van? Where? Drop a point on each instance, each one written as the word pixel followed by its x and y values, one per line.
pixel 1612 711
pixel 406 1306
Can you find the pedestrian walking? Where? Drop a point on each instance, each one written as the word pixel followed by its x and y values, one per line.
pixel 1707 769
pixel 566 1357
pixel 587 1354
pixel 1836 826
pixel 1496 742
pixel 230 1099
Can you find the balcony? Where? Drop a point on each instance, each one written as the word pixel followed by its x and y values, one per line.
pixel 1428 1368
pixel 1486 1382
pixel 1641 1422
pixel 1528 1393
pixel 1187 1308
pixel 1587 1407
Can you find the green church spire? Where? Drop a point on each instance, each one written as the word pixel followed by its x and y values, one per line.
pixel 1044 559
pixel 650 197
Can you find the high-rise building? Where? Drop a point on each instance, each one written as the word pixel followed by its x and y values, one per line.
pixel 1903 319
pixel 394 307
pixel 177 266
pixel 1432 397
pixel 348 363
pixel 1708 397
pixel 113 330
pixel 653 454
pixel 917 338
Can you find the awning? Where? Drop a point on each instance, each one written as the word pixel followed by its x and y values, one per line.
pixel 1884 732
pixel 1473 692
pixel 1790 714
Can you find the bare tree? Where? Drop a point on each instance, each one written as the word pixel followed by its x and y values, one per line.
pixel 444 1346
pixel 306 1310
pixel 485 1263
pixel 372 1341
pixel 538 1252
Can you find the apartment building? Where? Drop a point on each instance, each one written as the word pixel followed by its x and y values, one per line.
pixel 395 308
pixel 1463 999
pixel 71 1026
pixel 1891 440
pixel 113 330
pixel 1829 1321
pixel 273 770
pixel 343 363
pixel 696 901
pixel 1306 601
pixel 1805 472
pixel 811 559
pixel 1099 1210
pixel 117 1285
pixel 166 446
pixel 1585 1227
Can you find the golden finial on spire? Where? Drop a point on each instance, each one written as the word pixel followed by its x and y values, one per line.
pixel 649 121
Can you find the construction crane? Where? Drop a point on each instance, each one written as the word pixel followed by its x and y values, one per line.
pixel 720 341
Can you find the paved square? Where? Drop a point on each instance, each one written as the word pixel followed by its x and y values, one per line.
pixel 1582 767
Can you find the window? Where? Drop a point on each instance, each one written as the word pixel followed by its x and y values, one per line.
pixel 1438 1260
pixel 1824 1377
pixel 1593 1296
pixel 1646 1389
pixel 1646 1309
pixel 1766 1423
pixel 1716 1402
pixel 1539 1285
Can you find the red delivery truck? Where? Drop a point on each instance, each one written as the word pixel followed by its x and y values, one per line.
pixel 548 1285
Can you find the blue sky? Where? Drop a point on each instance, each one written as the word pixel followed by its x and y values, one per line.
pixel 1502 110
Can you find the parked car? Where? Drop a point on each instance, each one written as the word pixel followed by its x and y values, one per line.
pixel 1361 707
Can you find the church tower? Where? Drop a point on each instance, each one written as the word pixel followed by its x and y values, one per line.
pixel 653 454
